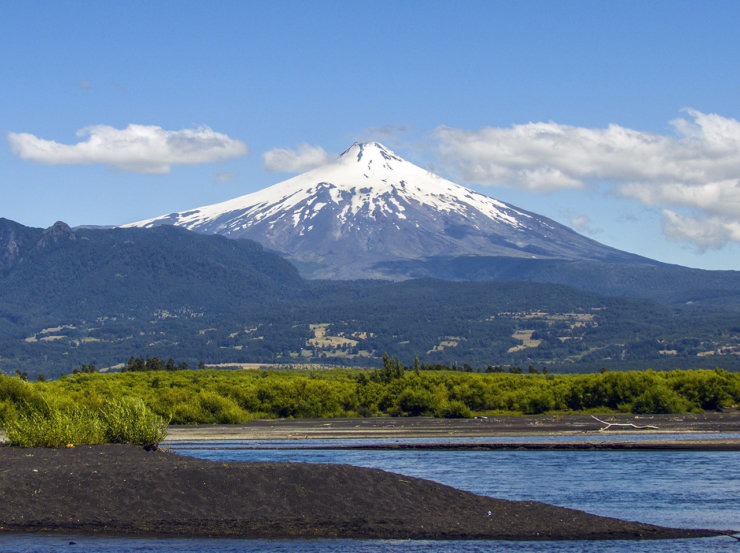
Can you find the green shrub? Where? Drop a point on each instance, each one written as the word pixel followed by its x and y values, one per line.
pixel 188 413
pixel 129 421
pixel 416 402
pixel 456 410
pixel 537 402
pixel 220 410
pixel 15 392
pixel 54 427
pixel 659 399
pixel 710 390
pixel 125 420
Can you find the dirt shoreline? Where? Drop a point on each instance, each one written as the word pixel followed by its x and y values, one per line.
pixel 425 427
pixel 122 490
pixel 616 445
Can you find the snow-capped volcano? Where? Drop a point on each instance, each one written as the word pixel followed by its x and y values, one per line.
pixel 370 206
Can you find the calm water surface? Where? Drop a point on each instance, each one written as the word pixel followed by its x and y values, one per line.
pixel 684 489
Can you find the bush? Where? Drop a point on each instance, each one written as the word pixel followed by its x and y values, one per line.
pixel 659 399
pixel 54 427
pixel 220 410
pixel 416 402
pixel 126 420
pixel 188 413
pixel 129 421
pixel 539 401
pixel 456 410
pixel 17 392
pixel 710 390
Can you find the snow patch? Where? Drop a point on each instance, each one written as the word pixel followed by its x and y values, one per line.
pixel 367 178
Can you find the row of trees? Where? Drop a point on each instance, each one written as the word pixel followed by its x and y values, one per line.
pixel 454 367
pixel 137 364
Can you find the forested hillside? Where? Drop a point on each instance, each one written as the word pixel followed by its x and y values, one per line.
pixel 670 284
pixel 69 298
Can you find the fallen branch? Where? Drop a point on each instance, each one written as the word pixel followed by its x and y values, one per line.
pixel 623 424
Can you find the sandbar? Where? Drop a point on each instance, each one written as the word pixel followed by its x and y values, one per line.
pixel 125 491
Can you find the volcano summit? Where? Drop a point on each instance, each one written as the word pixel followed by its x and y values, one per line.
pixel 358 215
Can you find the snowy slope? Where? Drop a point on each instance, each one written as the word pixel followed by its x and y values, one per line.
pixel 371 206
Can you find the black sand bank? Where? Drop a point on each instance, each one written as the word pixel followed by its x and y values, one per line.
pixel 122 490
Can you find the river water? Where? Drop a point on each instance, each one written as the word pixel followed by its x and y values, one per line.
pixel 680 489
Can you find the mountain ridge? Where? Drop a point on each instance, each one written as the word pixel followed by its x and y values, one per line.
pixel 60 270
pixel 669 284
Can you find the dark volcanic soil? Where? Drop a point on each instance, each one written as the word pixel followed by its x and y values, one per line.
pixel 122 490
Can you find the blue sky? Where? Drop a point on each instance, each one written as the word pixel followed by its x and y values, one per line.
pixel 620 119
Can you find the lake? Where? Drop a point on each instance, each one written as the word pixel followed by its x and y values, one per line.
pixel 683 489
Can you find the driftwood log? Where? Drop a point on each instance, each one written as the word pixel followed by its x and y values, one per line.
pixel 623 425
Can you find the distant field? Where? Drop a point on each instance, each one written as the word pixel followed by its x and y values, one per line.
pixel 271 366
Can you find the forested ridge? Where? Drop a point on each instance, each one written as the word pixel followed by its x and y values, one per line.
pixel 98 296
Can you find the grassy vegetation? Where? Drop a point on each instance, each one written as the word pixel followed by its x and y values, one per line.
pixel 42 418
pixel 54 428
pixel 90 402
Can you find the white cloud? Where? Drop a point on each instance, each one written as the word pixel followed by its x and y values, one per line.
pixel 696 169
pixel 583 223
pixel 295 161
pixel 224 177
pixel 703 232
pixel 137 148
pixel 389 132
pixel 719 197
